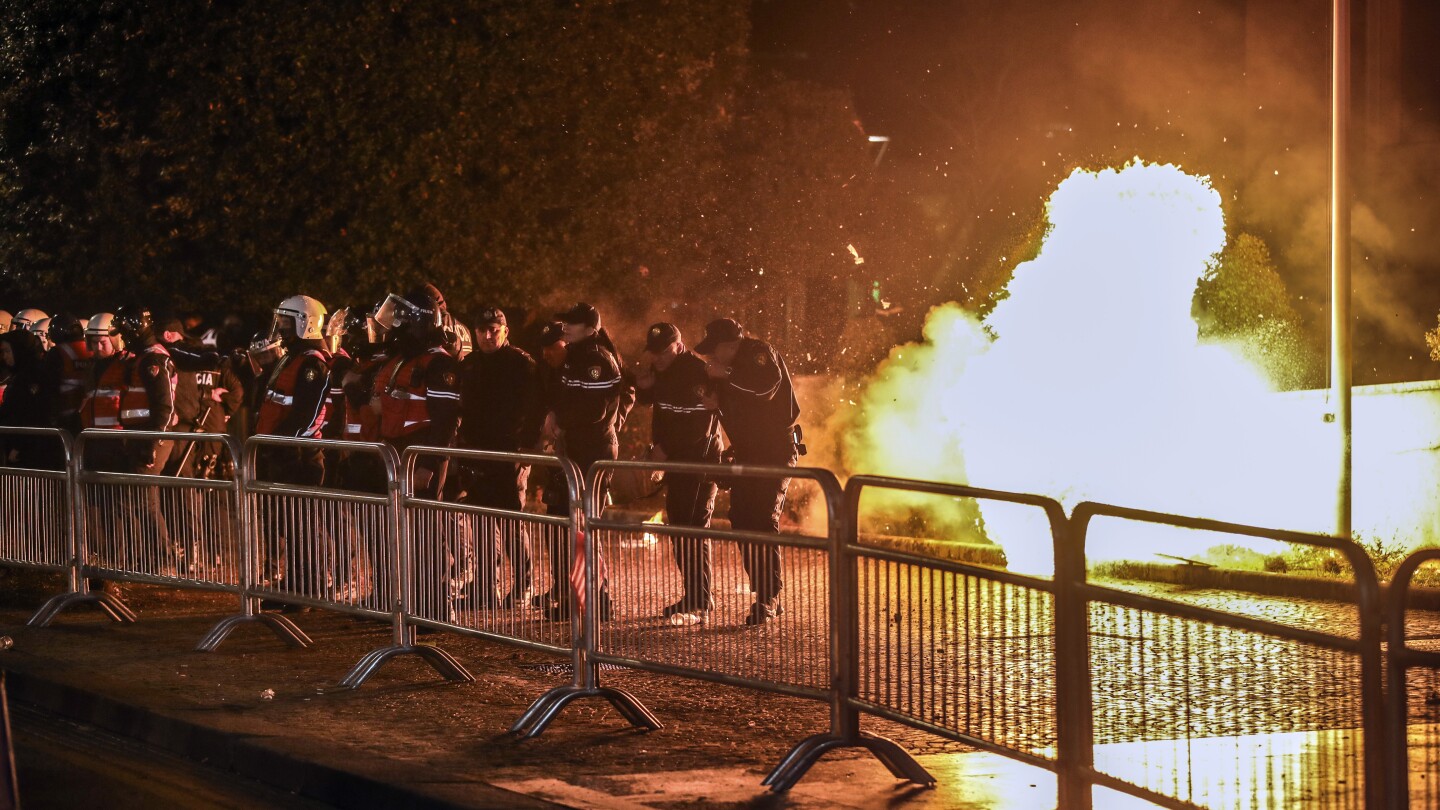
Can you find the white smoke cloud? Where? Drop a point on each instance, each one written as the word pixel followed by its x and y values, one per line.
pixel 1089 382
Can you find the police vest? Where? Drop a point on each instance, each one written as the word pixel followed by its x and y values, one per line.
pixel 75 362
pixel 402 391
pixel 361 423
pixel 119 399
pixel 280 396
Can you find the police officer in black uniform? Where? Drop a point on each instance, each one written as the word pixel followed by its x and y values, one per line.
pixel 500 403
pixel 686 427
pixel 591 402
pixel 758 410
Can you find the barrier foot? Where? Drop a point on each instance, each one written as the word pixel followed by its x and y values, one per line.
pixel 538 707
pixel 549 705
pixel 809 751
pixel 110 605
pixel 442 662
pixel 281 626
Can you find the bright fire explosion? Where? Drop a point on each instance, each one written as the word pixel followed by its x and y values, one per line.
pixel 1090 382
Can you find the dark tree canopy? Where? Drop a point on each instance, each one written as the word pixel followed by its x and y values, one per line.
pixel 221 155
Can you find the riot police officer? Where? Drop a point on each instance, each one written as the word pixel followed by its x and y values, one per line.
pixel 28 403
pixel 416 392
pixel 133 388
pixel 27 319
pixel 294 392
pixel 147 399
pixel 365 338
pixel 758 410
pixel 416 397
pixel 685 427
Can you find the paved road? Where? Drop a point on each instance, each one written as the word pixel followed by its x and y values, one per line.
pixel 63 764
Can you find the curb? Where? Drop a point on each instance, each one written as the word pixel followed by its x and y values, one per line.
pixel 362 780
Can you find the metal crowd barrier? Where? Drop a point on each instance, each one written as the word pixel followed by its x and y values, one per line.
pixel 1163 699
pixel 484 570
pixel 147 528
pixel 36 530
pixel 313 546
pixel 1184 696
pixel 794 653
pixel 1413 693
pixel 465 563
pixel 966 652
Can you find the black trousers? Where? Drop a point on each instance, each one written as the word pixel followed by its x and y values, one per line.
pixel 755 506
pixel 144 520
pixel 301 553
pixel 500 485
pixel 690 501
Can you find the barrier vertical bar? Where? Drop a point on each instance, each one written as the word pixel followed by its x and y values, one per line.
pixel 1074 699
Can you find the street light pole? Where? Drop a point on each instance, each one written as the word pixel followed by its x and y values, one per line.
pixel 1340 348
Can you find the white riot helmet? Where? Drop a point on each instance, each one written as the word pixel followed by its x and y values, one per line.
pixel 299 316
pixel 41 329
pixel 27 318
pixel 100 326
pixel 5 319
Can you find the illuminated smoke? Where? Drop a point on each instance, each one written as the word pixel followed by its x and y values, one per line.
pixel 1089 382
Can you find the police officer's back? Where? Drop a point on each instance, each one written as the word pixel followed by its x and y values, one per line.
pixel 758 410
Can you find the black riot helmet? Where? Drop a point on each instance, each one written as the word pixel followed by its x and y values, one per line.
pixel 347 329
pixel 66 328
pixel 136 325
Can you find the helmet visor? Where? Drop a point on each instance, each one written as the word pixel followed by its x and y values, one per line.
pixel 264 350
pixel 336 326
pixel 282 328
pixel 395 311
